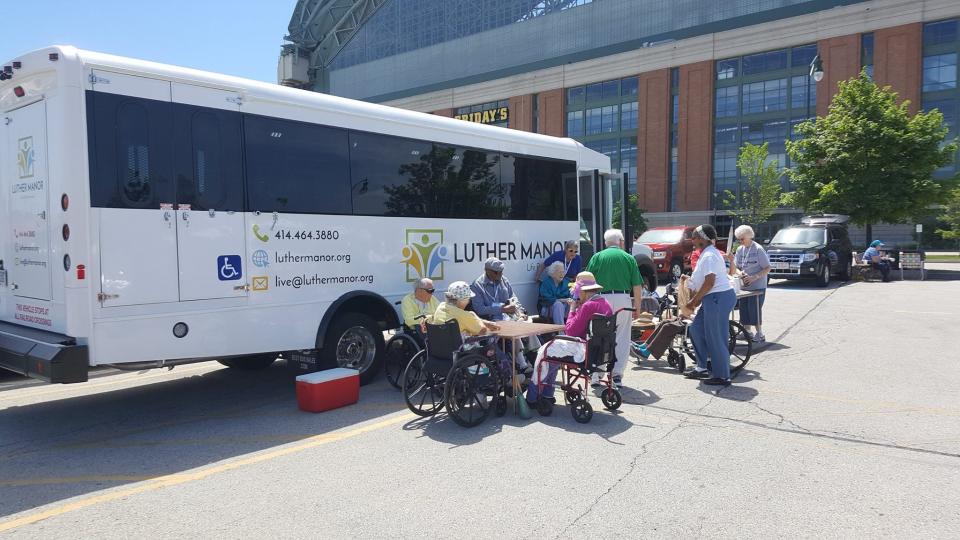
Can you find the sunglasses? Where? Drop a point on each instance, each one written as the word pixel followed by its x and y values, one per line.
pixel 431 291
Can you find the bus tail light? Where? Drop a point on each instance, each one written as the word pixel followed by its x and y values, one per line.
pixel 19 91
pixel 66 262
pixel 64 202
pixel 66 232
pixel 81 271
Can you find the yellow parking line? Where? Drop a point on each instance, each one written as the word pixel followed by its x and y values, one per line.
pixel 182 478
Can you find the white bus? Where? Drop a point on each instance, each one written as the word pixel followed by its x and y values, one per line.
pixel 154 215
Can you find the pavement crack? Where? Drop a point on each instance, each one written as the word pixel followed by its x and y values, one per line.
pixel 644 449
pixel 781 419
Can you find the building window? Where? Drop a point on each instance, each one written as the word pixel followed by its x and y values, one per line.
pixel 798 92
pixel 763 62
pixel 628 116
pixel 866 53
pixel 765 96
pixel 575 124
pixel 803 56
pixel 628 86
pixel 728 101
pixel 608 119
pixel 628 159
pixel 575 95
pixel 939 72
pixel 728 69
pixel 937 33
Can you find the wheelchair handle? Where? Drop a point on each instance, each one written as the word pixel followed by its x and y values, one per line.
pixel 630 309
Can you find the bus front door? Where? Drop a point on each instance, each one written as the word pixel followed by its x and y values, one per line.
pixel 29 266
pixel 599 194
pixel 210 223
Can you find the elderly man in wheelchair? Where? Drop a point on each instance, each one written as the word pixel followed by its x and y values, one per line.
pixel 588 347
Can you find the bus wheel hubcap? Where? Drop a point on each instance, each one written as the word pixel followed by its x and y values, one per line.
pixel 356 349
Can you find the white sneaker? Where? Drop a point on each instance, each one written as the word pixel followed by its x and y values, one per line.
pixel 759 337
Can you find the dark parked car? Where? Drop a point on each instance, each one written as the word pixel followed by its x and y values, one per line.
pixel 818 249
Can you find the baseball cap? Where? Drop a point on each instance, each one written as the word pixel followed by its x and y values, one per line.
pixel 876 243
pixel 494 264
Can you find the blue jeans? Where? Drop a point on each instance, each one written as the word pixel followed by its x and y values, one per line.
pixel 556 312
pixel 710 332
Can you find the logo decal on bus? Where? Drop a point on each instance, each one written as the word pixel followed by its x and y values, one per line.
pixel 261 259
pixel 424 254
pixel 229 267
pixel 25 157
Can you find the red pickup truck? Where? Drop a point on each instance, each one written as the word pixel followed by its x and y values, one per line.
pixel 672 247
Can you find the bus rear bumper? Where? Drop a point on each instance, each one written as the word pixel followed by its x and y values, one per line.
pixel 43 355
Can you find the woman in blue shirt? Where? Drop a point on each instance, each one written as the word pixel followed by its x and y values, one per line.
pixel 572 264
pixel 555 296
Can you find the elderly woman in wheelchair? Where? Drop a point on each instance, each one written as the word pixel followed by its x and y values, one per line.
pixel 555 298
pixel 587 348
pixel 461 368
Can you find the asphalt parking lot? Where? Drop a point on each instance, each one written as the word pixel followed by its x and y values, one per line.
pixel 847 424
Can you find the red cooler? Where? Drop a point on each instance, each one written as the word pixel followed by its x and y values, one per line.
pixel 330 389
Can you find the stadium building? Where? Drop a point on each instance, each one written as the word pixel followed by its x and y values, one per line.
pixel 669 89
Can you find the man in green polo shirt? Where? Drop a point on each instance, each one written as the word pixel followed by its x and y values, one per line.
pixel 617 271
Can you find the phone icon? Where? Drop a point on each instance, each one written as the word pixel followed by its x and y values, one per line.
pixel 260 236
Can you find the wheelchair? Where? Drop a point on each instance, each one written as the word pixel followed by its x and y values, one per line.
pixel 681 348
pixel 599 357
pixel 463 376
pixel 400 348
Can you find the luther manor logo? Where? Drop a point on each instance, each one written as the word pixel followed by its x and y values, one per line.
pixel 25 157
pixel 424 254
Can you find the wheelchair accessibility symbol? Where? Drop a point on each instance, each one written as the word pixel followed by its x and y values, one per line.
pixel 229 267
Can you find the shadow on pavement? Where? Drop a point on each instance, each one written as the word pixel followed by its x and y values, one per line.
pixel 54 450
pixel 734 392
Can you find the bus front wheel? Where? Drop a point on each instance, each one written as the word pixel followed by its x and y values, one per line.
pixel 354 341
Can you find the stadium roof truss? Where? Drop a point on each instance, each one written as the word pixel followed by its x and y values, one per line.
pixel 324 27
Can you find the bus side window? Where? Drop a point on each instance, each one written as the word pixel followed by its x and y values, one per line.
pixel 209 171
pixel 535 187
pixel 393 176
pixel 296 167
pixel 131 152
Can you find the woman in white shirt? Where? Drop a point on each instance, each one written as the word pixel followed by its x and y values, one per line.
pixel 710 331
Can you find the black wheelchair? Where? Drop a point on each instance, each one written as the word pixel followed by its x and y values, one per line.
pixel 463 376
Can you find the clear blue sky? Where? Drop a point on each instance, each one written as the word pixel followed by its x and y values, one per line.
pixel 235 37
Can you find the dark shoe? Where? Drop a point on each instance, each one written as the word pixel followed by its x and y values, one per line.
pixel 717 381
pixel 618 381
pixel 694 374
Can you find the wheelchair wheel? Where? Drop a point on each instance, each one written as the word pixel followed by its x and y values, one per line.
pixel 472 389
pixel 611 398
pixel 582 411
pixel 399 350
pixel 740 346
pixel 573 396
pixel 677 360
pixel 422 388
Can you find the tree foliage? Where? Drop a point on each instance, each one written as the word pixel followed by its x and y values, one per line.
pixel 951 216
pixel 638 223
pixel 760 187
pixel 869 157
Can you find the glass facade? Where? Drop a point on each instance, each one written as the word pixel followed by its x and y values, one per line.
pixel 673 187
pixel 604 116
pixel 760 98
pixel 941 47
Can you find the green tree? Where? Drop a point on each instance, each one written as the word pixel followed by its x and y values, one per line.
pixel 951 216
pixel 760 187
pixel 637 222
pixel 869 157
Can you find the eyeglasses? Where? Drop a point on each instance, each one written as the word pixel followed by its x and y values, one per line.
pixel 571 251
pixel 431 291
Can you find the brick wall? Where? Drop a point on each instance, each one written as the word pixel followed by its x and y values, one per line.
pixel 695 136
pixel 898 61
pixel 841 61
pixel 653 140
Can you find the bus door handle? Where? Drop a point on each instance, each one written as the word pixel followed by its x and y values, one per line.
pixel 242 288
pixel 166 217
pixel 186 217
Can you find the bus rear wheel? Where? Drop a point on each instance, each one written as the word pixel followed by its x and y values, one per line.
pixel 252 362
pixel 354 341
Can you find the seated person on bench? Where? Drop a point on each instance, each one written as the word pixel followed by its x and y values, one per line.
pixel 420 302
pixel 578 324
pixel 872 257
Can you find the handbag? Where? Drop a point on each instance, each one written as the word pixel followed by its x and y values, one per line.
pixel 737 283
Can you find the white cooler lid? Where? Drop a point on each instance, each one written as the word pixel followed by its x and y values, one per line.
pixel 328 375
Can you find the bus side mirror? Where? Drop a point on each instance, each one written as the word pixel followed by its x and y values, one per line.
pixel 766 241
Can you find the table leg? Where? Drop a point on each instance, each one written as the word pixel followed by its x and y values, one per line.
pixel 513 374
